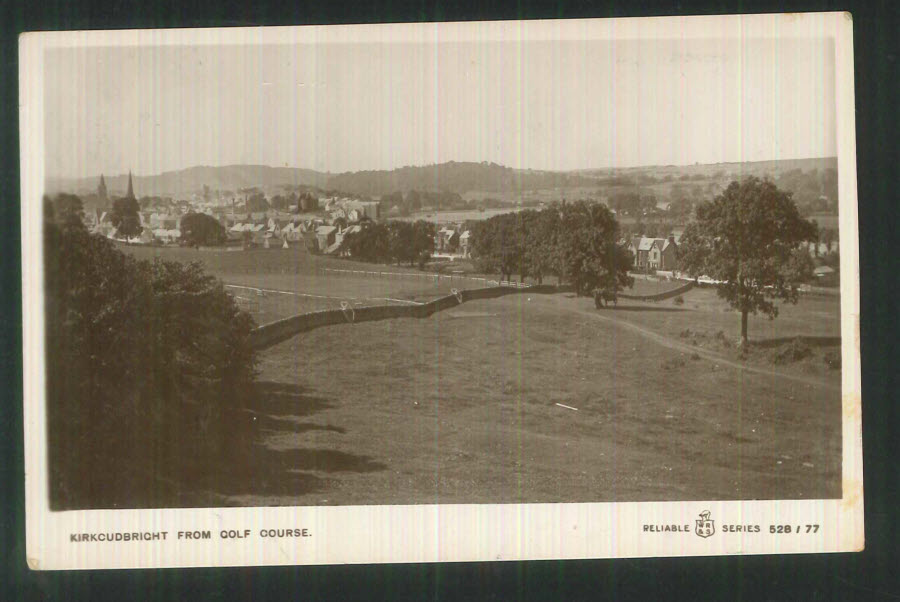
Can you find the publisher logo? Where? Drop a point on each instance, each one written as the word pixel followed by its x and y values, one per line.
pixel 705 526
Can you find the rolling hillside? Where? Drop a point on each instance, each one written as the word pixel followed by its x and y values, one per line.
pixel 457 177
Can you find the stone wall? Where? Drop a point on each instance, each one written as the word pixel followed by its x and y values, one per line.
pixel 281 330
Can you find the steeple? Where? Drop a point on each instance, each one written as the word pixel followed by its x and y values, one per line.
pixel 130 193
pixel 101 188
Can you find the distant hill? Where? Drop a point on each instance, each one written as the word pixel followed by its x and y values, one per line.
pixel 759 168
pixel 191 180
pixel 457 177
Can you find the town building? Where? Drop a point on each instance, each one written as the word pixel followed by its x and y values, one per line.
pixel 654 253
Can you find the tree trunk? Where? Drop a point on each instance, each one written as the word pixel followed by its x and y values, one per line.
pixel 744 327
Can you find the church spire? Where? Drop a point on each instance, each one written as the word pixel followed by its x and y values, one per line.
pixel 130 193
pixel 101 188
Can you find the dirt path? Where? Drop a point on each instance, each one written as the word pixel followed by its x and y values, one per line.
pixel 562 303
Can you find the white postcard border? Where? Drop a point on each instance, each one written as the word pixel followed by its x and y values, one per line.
pixel 435 533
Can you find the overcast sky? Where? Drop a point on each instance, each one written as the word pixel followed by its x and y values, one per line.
pixel 349 107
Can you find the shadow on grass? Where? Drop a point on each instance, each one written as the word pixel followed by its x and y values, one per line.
pixel 811 341
pixel 256 469
pixel 293 424
pixel 284 399
pixel 193 468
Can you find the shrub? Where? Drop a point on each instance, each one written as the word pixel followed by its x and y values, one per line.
pixel 679 300
pixel 723 340
pixel 792 352
pixel 673 363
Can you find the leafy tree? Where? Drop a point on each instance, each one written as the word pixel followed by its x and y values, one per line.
pixel 372 244
pixel 422 241
pixel 746 238
pixel 201 229
pixel 280 202
pixel 257 203
pixel 125 216
pixel 147 361
pixel 67 209
pixel 401 245
pixel 542 230
pixel 308 203
pixel 497 245
pixel 590 256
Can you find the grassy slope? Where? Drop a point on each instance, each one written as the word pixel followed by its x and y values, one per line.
pixel 294 270
pixel 461 407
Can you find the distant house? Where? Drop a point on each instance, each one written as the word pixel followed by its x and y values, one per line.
pixel 464 248
pixel 325 236
pixel 365 209
pixel 167 235
pixel 292 231
pixel 654 253
pixel 446 240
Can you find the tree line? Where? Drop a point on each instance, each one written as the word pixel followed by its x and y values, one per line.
pixel 578 242
pixel 391 242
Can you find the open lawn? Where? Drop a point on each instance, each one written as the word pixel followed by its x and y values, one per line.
pixel 467 406
pixel 277 283
pixel 462 408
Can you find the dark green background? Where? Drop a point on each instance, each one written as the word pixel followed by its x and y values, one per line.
pixel 871 575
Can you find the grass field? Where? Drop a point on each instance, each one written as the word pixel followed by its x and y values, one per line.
pixel 285 282
pixel 462 407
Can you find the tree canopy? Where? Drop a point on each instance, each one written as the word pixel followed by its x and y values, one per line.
pixel 144 358
pixel 125 216
pixel 746 238
pixel 576 242
pixel 65 209
pixel 257 203
pixel 201 229
pixel 393 241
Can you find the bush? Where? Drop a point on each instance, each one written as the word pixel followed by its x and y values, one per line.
pixel 673 363
pixel 833 359
pixel 679 300
pixel 792 352
pixel 147 364
pixel 723 340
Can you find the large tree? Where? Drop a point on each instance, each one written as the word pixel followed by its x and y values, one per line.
pixel 540 257
pixel 257 203
pixel 745 238
pixel 201 229
pixel 125 217
pixel 147 370
pixel 66 209
pixel 590 256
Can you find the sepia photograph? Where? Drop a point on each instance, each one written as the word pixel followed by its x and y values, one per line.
pixel 445 264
